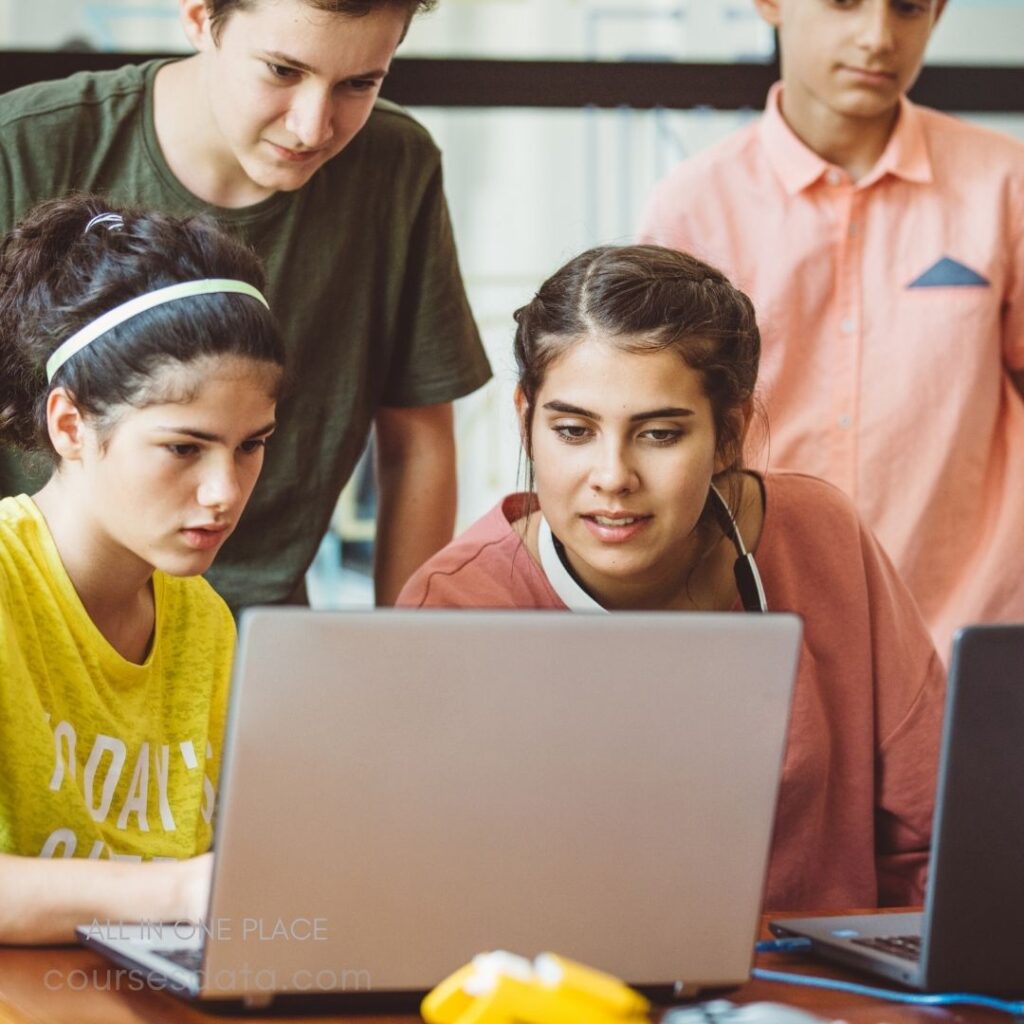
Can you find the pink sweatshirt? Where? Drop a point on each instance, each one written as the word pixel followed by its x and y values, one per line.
pixel 853 821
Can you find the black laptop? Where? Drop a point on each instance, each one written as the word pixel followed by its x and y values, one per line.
pixel 970 936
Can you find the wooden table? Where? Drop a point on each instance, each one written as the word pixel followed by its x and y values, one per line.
pixel 68 985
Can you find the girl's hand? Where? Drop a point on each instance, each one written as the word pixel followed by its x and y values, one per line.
pixel 42 900
pixel 194 877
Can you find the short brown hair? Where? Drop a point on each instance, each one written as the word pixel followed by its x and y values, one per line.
pixel 221 10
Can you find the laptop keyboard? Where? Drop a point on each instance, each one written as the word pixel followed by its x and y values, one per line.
pixel 906 946
pixel 190 959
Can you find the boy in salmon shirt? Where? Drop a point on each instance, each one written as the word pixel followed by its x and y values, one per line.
pixel 883 245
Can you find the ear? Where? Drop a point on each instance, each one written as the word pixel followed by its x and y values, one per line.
pixel 770 10
pixel 739 421
pixel 521 410
pixel 65 425
pixel 195 20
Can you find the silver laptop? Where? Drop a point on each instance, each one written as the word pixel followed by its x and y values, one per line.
pixel 968 939
pixel 403 790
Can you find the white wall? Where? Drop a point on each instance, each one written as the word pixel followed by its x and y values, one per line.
pixel 531 188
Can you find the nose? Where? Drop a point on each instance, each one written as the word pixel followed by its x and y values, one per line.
pixel 613 471
pixel 219 487
pixel 875 29
pixel 310 118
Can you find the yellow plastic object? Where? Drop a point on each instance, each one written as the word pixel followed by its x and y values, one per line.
pixel 501 988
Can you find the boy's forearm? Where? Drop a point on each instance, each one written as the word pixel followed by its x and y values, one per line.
pixel 416 493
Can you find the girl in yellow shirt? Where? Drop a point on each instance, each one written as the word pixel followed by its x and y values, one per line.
pixel 137 353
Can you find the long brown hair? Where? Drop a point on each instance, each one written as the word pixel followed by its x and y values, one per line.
pixel 647 298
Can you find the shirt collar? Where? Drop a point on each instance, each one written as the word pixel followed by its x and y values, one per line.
pixel 798 166
pixel 907 155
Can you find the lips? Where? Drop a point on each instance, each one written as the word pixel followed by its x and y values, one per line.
pixel 874 76
pixel 202 538
pixel 615 527
pixel 297 156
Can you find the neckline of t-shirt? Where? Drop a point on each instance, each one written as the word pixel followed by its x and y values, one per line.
pixel 225 214
pixel 112 660
pixel 562 581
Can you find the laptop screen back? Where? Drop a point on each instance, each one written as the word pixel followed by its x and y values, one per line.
pixel 975 912
pixel 430 785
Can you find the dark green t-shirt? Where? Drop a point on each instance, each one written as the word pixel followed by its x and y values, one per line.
pixel 363 279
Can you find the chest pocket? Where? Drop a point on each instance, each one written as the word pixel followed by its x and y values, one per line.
pixel 953 308
pixel 950 273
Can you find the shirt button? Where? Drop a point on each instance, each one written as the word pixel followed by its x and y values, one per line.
pixel 844 422
pixel 834 176
pixel 847 326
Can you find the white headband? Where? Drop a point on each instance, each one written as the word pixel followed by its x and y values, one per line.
pixel 119 314
pixel 111 221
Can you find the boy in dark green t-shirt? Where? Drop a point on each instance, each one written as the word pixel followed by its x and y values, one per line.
pixel 274 128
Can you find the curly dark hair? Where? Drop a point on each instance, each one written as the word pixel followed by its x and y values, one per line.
pixel 56 277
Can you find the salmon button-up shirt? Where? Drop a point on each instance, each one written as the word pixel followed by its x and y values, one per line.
pixel 892 315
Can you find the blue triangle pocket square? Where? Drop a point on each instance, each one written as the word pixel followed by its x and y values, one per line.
pixel 947 273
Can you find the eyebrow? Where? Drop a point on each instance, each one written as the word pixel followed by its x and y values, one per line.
pixel 652 414
pixel 276 57
pixel 202 435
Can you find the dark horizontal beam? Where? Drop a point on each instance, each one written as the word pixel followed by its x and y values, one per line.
pixel 453 82
pixel 568 84
pixel 23 67
pixel 956 88
pixel 507 83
